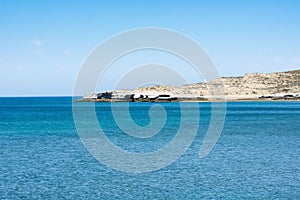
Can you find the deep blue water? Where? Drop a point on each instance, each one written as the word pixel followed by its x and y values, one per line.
pixel 42 157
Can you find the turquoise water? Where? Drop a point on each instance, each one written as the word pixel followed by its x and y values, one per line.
pixel 256 157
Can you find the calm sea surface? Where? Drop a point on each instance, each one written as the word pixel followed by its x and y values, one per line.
pixel 42 157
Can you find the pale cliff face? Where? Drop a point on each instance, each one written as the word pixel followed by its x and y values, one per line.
pixel 250 85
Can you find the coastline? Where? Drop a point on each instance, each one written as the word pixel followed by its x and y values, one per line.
pixel 278 86
pixel 194 101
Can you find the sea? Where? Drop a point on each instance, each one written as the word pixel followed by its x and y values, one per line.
pixel 42 155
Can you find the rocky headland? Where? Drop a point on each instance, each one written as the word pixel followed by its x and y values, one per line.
pixel 252 86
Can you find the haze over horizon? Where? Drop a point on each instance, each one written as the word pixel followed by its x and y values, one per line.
pixel 43 44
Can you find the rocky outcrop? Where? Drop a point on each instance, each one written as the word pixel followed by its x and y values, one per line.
pixel 252 86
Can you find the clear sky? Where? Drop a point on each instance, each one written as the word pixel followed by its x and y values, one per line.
pixel 43 43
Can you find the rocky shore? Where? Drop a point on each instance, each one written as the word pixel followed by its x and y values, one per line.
pixel 250 87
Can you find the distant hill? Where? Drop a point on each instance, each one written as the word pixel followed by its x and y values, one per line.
pixel 252 85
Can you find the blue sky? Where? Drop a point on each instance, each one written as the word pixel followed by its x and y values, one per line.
pixel 43 43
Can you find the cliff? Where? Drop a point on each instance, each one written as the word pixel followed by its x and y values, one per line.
pixel 252 86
